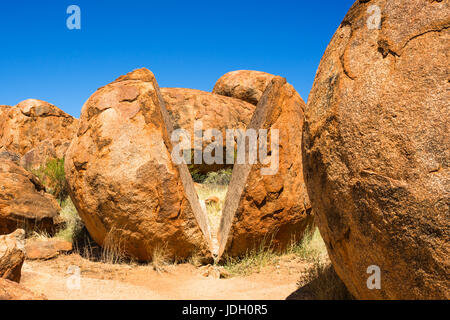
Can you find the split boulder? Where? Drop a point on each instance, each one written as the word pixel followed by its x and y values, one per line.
pixel 130 195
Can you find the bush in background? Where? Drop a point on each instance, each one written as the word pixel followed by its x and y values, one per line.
pixel 220 178
pixel 52 175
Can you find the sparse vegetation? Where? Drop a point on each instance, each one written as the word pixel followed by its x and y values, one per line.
pixel 214 209
pixel 196 175
pixel 219 178
pixel 321 282
pixel 251 262
pixel 113 251
pixel 310 248
pixel 52 175
pixel 160 259
pixel 74 224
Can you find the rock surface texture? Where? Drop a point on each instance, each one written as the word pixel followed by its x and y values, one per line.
pixel 10 290
pixel 36 130
pixel 130 195
pixel 245 85
pixel 12 255
pixel 46 249
pixel 270 209
pixel 24 203
pixel 376 149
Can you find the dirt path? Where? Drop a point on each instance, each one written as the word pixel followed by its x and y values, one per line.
pixel 108 281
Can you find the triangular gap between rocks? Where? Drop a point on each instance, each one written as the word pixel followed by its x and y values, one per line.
pixel 220 201
pixel 186 179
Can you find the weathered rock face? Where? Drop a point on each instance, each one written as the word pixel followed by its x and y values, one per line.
pixel 36 130
pixel 12 255
pixel 3 110
pixel 46 249
pixel 121 177
pixel 8 155
pixel 245 85
pixel 186 106
pixel 10 290
pixel 376 149
pixel 271 209
pixel 24 203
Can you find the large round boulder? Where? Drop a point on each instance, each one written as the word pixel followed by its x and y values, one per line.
pixel 37 130
pixel 129 193
pixel 245 85
pixel 376 149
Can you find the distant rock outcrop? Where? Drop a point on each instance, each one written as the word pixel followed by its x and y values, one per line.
pixel 376 149
pixel 245 85
pixel 36 130
pixel 130 195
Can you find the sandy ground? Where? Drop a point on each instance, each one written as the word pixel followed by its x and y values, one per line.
pixel 100 281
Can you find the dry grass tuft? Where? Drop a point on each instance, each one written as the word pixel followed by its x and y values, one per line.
pixel 214 210
pixel 320 282
pixel 74 224
pixel 113 251
pixel 160 258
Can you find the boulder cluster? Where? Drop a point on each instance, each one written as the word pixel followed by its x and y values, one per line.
pixel 366 160
pixel 129 191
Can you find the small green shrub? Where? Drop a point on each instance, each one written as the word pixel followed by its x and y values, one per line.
pixel 52 175
pixel 196 175
pixel 221 177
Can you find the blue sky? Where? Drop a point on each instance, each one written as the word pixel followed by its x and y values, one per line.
pixel 187 44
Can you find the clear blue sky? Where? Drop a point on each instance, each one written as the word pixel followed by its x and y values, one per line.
pixel 187 44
